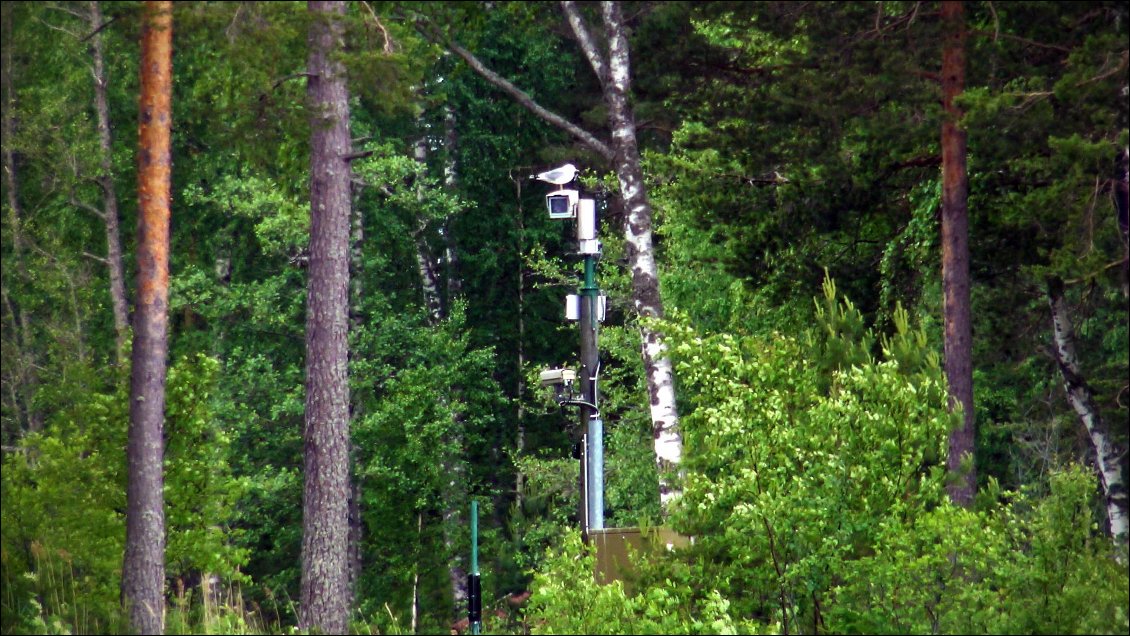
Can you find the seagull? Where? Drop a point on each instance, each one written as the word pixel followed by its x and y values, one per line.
pixel 558 176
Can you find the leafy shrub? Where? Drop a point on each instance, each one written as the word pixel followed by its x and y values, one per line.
pixel 815 491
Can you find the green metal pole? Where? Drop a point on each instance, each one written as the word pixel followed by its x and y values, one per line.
pixel 474 537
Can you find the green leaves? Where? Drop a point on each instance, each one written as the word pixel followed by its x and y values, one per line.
pixel 280 219
pixel 64 491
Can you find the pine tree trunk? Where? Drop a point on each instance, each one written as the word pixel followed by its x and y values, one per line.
pixel 641 254
pixel 955 260
pixel 143 569
pixel 110 214
pixel 1082 400
pixel 325 520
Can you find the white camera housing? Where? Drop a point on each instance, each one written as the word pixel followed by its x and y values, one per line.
pixel 562 204
pixel 555 377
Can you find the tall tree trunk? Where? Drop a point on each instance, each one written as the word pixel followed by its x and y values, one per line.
pixel 1082 400
pixel 955 260
pixel 429 280
pixel 641 254
pixel 325 599
pixel 110 214
pixel 450 177
pixel 143 569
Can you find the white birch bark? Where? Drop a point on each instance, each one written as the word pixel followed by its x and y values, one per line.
pixel 428 281
pixel 668 441
pixel 450 177
pixel 1081 398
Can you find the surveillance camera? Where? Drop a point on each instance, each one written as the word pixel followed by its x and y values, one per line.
pixel 562 204
pixel 554 377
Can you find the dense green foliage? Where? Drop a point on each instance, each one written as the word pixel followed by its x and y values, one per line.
pixel 786 146
pixel 815 494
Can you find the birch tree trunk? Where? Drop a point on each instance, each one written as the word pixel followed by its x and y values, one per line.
pixel 450 177
pixel 641 253
pixel 429 281
pixel 143 568
pixel 955 260
pixel 1082 400
pixel 325 598
pixel 110 214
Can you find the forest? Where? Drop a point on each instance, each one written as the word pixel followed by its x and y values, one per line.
pixel 281 286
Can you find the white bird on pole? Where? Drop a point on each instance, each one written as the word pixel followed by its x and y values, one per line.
pixel 559 176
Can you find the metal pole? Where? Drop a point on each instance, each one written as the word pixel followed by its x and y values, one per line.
pixel 590 416
pixel 474 585
pixel 595 457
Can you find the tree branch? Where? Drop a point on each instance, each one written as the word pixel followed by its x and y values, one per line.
pixel 389 46
pixel 95 257
pixel 86 206
pixel 58 28
pixel 584 38
pixel 1089 276
pixel 100 28
pixel 361 154
pixel 1008 36
pixel 520 96
pixel 281 80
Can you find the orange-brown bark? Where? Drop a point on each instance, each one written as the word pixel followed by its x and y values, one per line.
pixel 143 571
pixel 955 258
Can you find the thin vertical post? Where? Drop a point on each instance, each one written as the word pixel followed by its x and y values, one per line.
pixel 595 467
pixel 474 585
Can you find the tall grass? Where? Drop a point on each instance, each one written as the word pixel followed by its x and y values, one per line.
pixel 55 597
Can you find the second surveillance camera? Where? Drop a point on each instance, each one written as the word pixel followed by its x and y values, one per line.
pixel 553 377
